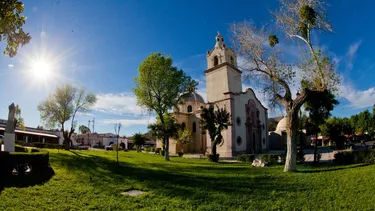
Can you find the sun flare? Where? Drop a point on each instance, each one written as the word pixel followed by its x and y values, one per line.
pixel 41 69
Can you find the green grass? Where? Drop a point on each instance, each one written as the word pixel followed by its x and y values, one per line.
pixel 190 184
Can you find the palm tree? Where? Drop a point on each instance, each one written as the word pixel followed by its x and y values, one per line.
pixel 214 122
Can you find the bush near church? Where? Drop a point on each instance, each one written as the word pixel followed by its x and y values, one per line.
pixel 247 158
pixel 350 157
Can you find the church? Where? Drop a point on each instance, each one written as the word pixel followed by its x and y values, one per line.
pixel 248 132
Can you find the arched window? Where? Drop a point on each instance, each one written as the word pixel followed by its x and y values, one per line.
pixel 216 61
pixel 183 126
pixel 194 127
pixel 189 109
pixel 231 60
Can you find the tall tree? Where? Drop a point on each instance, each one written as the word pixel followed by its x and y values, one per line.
pixel 63 105
pixel 138 140
pixel 365 121
pixel 214 121
pixel 19 119
pixel 11 26
pixel 160 87
pixel 298 19
pixel 169 129
pixel 84 129
pixel 319 105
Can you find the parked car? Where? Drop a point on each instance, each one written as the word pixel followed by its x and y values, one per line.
pixel 109 147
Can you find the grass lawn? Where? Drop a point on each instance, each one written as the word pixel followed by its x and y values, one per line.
pixel 190 184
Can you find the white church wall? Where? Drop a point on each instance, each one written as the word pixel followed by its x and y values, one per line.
pixel 217 84
pixel 240 110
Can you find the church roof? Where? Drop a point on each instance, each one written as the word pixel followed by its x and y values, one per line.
pixel 281 126
pixel 194 97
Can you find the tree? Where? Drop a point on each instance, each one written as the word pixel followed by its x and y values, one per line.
pixel 18 118
pixel 160 87
pixel 63 105
pixel 365 121
pixel 319 105
pixel 214 121
pixel 117 128
pixel 11 26
pixel 138 141
pixel 183 138
pixel 298 19
pixel 170 128
pixel 272 124
pixel 84 129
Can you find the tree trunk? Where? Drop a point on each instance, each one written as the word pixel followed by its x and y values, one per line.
pixel 315 147
pixel 213 149
pixel 166 152
pixel 291 155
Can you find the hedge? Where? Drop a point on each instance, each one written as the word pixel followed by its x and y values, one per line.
pixel 19 160
pixel 248 158
pixel 271 158
pixel 360 156
pixel 40 145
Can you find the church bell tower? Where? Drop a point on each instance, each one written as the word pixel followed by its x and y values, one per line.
pixel 222 74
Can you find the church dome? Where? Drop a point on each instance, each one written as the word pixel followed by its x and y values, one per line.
pixel 281 126
pixel 194 97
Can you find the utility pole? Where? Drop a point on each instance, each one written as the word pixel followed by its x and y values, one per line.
pixel 88 134
pixel 93 125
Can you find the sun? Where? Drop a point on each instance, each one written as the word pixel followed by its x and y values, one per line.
pixel 41 69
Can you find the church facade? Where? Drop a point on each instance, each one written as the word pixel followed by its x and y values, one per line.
pixel 248 132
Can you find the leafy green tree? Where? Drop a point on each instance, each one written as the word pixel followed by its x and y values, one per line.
pixel 138 140
pixel 169 129
pixel 347 127
pixel 298 20
pixel 161 87
pixel 11 26
pixel 183 138
pixel 63 105
pixel 84 129
pixel 319 106
pixel 18 118
pixel 365 121
pixel 272 124
pixel 214 121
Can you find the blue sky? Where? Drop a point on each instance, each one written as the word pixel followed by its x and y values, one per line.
pixel 99 45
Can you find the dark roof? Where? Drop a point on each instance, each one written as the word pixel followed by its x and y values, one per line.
pixel 194 97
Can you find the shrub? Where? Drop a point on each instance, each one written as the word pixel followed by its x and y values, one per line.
pixel 361 156
pixel 19 160
pixel 157 150
pixel 270 158
pixel 248 158
pixel 180 154
pixel 162 152
pixel 213 158
pixel 346 157
pixel 18 148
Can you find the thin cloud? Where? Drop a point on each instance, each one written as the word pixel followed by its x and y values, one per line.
pixel 129 122
pixel 118 104
pixel 10 65
pixel 351 54
pixel 357 98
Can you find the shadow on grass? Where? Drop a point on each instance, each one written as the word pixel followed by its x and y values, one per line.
pixel 198 182
pixel 331 167
pixel 21 181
